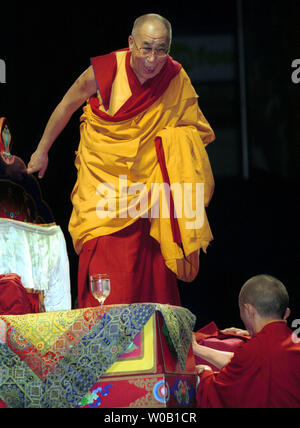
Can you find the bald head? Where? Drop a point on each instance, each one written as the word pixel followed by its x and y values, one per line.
pixel 267 294
pixel 154 20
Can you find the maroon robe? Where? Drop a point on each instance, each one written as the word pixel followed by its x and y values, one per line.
pixel 135 264
pixel 264 373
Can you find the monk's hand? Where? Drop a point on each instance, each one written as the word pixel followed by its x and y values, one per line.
pixel 201 368
pixel 194 343
pixel 38 163
pixel 236 331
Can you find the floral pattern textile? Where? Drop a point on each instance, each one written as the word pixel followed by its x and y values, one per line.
pixel 51 360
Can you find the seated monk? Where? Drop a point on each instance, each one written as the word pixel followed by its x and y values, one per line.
pixel 27 236
pixel 264 371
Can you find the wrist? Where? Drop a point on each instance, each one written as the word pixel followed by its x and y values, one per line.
pixel 42 149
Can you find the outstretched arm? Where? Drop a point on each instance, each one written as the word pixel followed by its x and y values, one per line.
pixel 217 358
pixel 84 87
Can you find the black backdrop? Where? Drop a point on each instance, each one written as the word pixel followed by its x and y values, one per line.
pixel 255 222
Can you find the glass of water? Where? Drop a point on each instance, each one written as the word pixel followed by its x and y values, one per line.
pixel 100 286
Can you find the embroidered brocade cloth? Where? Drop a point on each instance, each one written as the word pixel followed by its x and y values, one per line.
pixel 51 360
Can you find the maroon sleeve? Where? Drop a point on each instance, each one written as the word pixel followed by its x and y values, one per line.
pixel 105 68
pixel 238 384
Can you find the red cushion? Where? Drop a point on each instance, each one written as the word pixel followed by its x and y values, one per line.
pixel 13 296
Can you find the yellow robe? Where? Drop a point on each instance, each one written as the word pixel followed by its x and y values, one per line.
pixel 117 160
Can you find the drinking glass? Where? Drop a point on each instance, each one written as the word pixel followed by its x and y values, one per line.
pixel 100 286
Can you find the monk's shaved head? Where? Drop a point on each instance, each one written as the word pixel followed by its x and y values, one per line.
pixel 267 294
pixel 152 18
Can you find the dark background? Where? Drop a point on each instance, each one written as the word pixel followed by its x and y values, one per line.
pixel 254 214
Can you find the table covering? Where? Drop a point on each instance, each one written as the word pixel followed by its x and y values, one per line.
pixel 52 359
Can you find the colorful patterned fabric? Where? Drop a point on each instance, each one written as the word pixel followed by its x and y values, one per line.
pixel 51 360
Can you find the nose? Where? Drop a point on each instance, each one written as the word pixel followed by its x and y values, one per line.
pixel 151 58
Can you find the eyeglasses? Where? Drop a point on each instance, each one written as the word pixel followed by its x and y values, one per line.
pixel 147 51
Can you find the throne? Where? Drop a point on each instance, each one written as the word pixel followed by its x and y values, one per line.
pixel 34 266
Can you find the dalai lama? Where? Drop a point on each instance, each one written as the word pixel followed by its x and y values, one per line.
pixel 141 125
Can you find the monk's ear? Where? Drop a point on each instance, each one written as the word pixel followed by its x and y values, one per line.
pixel 250 310
pixel 287 313
pixel 130 42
